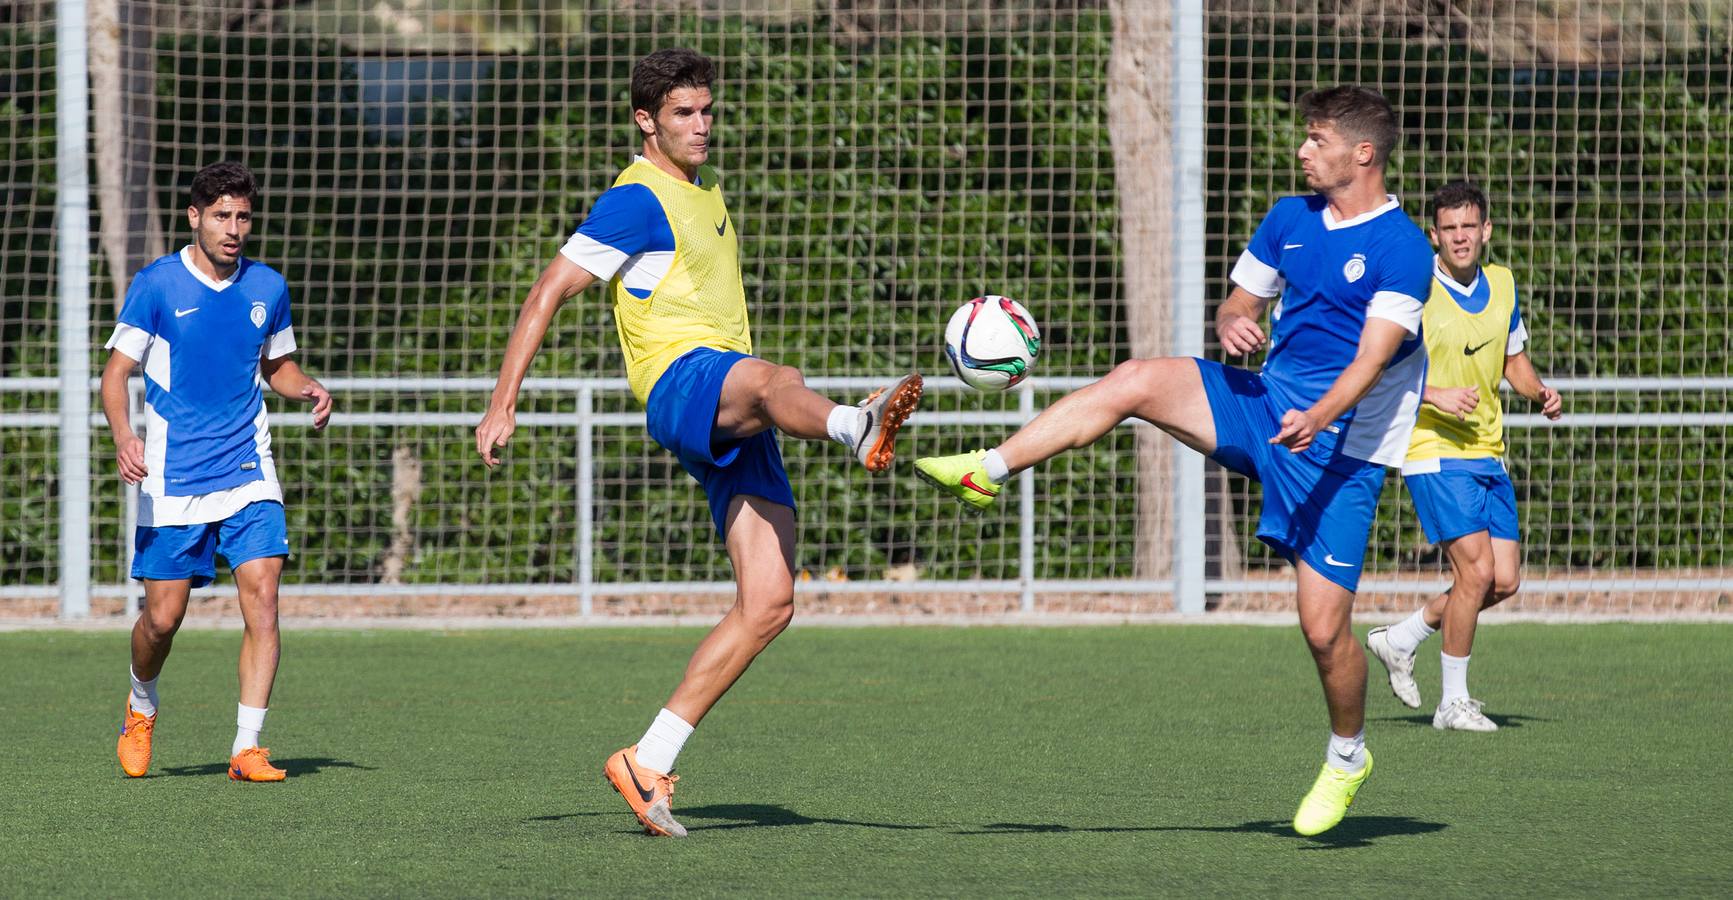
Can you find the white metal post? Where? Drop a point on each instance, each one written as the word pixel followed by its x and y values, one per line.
pixel 1026 510
pixel 1188 289
pixel 586 500
pixel 72 203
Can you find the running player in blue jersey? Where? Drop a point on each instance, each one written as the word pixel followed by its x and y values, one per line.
pixel 1455 466
pixel 1333 405
pixel 205 324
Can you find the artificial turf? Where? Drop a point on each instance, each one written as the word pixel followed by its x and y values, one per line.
pixel 1144 760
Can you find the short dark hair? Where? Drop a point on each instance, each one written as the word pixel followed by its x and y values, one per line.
pixel 1458 194
pixel 1357 112
pixel 657 75
pixel 226 178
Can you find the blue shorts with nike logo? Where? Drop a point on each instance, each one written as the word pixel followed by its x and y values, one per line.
pixel 681 416
pixel 174 552
pixel 1318 503
pixel 1461 497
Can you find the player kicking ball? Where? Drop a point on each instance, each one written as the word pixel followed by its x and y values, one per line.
pixel 1455 470
pixel 1332 406
pixel 662 240
pixel 205 324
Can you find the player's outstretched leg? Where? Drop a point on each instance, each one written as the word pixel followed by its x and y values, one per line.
pixel 1167 393
pixel 256 580
pixel 758 395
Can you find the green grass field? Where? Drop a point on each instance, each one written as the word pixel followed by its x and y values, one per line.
pixel 886 762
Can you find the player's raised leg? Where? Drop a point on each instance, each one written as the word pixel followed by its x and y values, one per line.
pixel 760 546
pixel 759 395
pixel 165 605
pixel 1167 393
pixel 256 580
pixel 1325 610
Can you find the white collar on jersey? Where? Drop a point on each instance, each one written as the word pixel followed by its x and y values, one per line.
pixel 1443 275
pixel 697 180
pixel 206 280
pixel 1330 223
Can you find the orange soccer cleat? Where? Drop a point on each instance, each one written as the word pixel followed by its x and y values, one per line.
pixel 254 764
pixel 648 792
pixel 881 415
pixel 135 735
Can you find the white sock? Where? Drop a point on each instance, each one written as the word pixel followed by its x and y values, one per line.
pixel 995 466
pixel 249 721
pixel 1405 636
pixel 660 746
pixel 841 425
pixel 143 695
pixel 1455 678
pixel 1347 754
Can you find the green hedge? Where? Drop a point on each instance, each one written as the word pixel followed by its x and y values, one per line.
pixel 876 187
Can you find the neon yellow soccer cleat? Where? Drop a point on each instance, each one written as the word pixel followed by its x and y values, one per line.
pixel 1328 800
pixel 962 476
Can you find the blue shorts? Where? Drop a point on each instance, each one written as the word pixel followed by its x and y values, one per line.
pixel 681 416
pixel 1318 503
pixel 1465 496
pixel 173 552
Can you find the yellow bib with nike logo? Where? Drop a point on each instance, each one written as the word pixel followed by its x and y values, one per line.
pixel 1465 349
pixel 700 301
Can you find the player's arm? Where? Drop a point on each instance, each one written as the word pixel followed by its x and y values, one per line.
pixel 285 377
pixel 1519 371
pixel 1379 340
pixel 1455 401
pixel 558 282
pixel 116 405
pixel 1237 321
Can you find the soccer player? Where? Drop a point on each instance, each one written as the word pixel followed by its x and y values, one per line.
pixel 1454 468
pixel 205 324
pixel 662 240
pixel 1332 406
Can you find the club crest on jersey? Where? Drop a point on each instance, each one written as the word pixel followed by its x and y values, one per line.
pixel 259 313
pixel 1355 268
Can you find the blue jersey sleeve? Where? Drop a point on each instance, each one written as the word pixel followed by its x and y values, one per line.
pixel 1515 309
pixel 1408 271
pixel 1266 242
pixel 627 220
pixel 140 309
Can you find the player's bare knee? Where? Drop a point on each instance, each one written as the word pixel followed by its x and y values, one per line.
pixel 160 625
pixel 768 617
pixel 1504 587
pixel 1322 638
pixel 1474 577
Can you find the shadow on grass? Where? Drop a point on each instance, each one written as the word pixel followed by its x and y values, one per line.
pixel 297 768
pixel 742 815
pixel 1506 720
pixel 1355 831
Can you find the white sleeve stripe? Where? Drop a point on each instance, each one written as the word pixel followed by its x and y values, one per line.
pixel 1396 307
pixel 1518 340
pixel 281 344
pixel 130 340
pixel 1256 276
pixel 593 256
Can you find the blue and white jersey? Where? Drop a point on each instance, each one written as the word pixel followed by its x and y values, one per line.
pixel 207 446
pixel 1331 276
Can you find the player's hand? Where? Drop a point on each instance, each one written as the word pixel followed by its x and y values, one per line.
pixel 321 398
pixel 1298 429
pixel 1457 401
pixel 130 455
pixel 1240 335
pixel 1551 404
pixel 494 431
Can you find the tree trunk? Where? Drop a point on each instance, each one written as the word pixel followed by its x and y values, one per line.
pixel 123 111
pixel 1139 116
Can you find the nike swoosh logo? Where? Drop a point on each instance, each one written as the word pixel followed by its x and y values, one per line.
pixel 185 312
pixel 865 432
pixel 1331 560
pixel 721 227
pixel 1292 246
pixel 969 482
pixel 647 795
pixel 1470 351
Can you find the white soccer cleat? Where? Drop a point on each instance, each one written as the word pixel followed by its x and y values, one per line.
pixel 881 416
pixel 1462 714
pixel 1401 668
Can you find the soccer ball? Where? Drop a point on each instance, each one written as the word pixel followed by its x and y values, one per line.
pixel 991 342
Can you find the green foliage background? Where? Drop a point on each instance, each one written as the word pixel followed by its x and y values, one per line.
pixel 875 187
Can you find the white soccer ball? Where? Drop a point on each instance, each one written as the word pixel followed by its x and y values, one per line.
pixel 992 342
